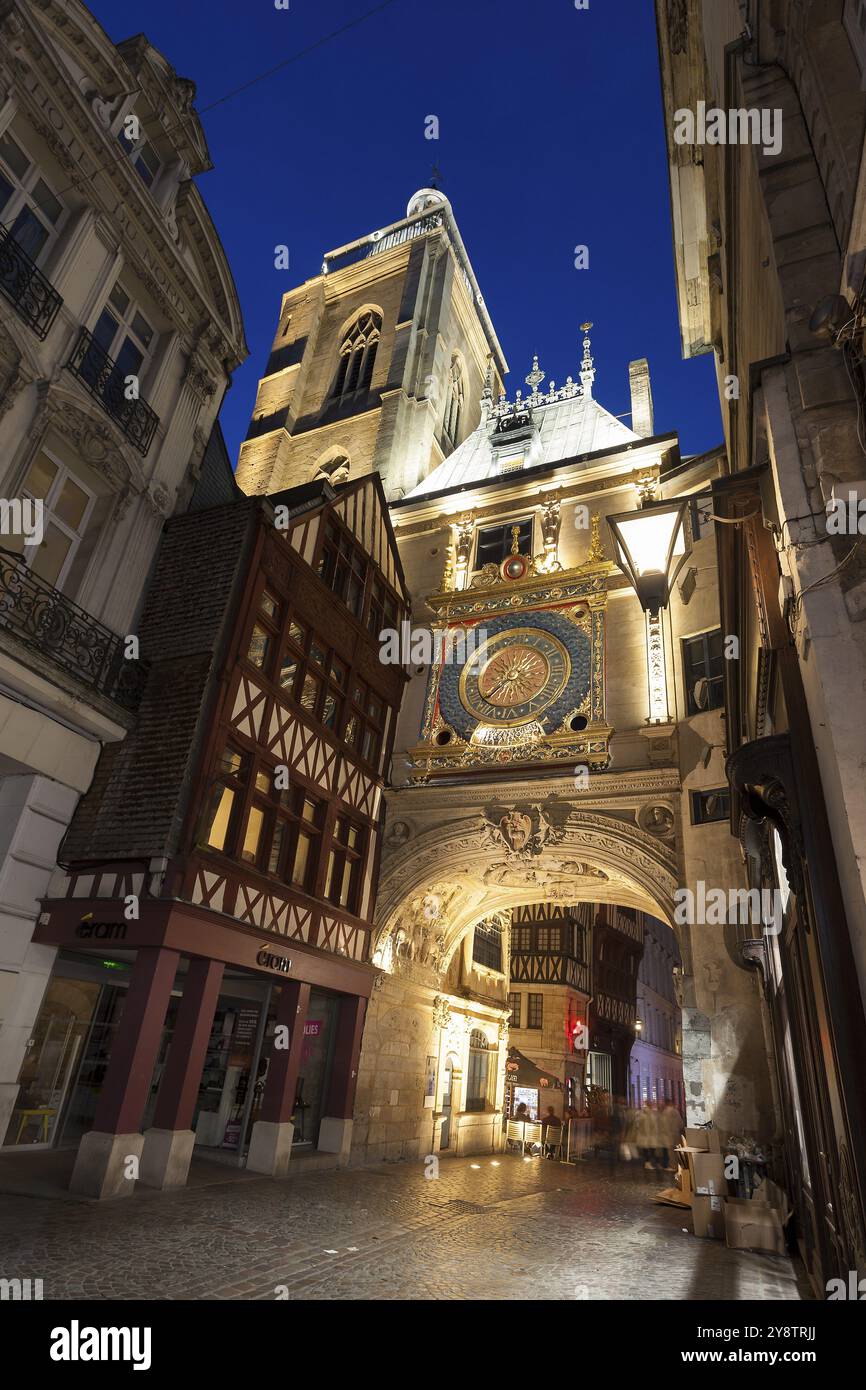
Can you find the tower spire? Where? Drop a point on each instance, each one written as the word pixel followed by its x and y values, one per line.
pixel 587 369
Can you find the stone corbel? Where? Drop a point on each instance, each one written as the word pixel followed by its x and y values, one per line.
pixel 754 953
pixel 761 774
pixel 159 500
pixel 199 380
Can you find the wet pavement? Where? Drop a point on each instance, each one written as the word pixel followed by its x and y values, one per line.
pixel 491 1227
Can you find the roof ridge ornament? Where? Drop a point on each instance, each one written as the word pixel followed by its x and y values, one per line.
pixel 587 368
pixel 535 378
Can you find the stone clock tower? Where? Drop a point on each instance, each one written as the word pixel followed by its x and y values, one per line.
pixel 379 362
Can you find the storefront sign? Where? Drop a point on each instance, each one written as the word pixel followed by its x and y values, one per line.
pixel 269 961
pixel 101 931
pixel 312 1028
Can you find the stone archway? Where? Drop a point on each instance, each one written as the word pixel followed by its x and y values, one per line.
pixel 438 882
pixel 455 855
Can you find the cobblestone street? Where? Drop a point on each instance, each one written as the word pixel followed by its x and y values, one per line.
pixel 485 1229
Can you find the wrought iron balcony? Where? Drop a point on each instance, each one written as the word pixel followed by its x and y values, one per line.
pixel 106 383
pixel 45 620
pixel 24 285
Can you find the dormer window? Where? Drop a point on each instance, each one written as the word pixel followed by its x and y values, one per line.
pixel 143 156
pixel 495 543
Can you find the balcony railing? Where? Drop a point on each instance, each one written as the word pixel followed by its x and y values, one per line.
pixel 106 382
pixel 24 285
pixel 55 627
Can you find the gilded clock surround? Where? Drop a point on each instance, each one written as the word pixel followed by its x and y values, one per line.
pixel 566 610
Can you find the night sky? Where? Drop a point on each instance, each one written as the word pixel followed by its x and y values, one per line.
pixel 550 137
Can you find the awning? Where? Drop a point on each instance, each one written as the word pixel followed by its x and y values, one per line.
pixel 522 1071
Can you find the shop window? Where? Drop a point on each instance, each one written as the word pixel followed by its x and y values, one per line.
pixel 495 542
pixel 477 1073
pixel 703 671
pixel 487 945
pixel 535 1010
pixel 514 1001
pixel 708 806
pixel 345 855
pixel 56 1043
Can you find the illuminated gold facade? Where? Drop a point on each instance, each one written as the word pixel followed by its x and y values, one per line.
pixel 554 746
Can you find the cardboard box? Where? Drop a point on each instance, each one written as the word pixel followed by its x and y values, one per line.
pixel 704 1140
pixel 754 1225
pixel 684 1182
pixel 707 1172
pixel 708 1217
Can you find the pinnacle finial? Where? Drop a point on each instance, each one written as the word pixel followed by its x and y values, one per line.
pixel 535 377
pixel 487 393
pixel 587 368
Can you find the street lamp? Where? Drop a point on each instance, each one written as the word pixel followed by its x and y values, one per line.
pixel 650 546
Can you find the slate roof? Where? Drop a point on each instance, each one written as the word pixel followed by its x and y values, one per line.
pixel 566 428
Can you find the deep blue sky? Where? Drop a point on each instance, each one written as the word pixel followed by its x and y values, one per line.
pixel 550 136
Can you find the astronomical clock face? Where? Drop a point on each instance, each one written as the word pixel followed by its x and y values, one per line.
pixel 524 669
pixel 515 676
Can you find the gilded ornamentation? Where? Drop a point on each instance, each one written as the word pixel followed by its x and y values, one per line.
pixel 523 831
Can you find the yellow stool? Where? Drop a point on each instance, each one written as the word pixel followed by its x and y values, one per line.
pixel 43 1113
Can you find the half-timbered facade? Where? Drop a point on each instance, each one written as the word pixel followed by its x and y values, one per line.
pixel 227 853
pixel 550 990
pixel 617 943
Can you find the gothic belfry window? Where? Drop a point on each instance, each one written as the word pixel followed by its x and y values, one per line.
pixel 454 403
pixel 358 355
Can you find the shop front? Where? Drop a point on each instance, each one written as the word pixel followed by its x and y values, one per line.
pixel 183 1032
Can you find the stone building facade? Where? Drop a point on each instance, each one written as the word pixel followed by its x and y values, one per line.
pixel 770 248
pixel 656 1062
pixel 120 328
pixel 615 793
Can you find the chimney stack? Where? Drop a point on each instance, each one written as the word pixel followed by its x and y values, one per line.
pixel 641 397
